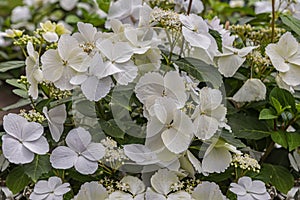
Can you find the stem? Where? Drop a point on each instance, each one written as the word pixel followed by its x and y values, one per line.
pixel 190 7
pixel 268 151
pixel 273 21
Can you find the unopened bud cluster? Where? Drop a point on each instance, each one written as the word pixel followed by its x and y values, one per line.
pixel 32 116
pixel 166 18
pixel 245 162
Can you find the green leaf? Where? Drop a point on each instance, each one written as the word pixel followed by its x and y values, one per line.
pixel 229 137
pixel 201 71
pixel 291 22
pixel 293 140
pixel 72 19
pixel 104 5
pixel 9 65
pixel 276 104
pixel 39 166
pixel 280 138
pixel 217 36
pixel 284 97
pixel 111 128
pixel 17 180
pixel 278 176
pixel 20 103
pixel 15 83
pixel 247 126
pixel 21 93
pixel 267 114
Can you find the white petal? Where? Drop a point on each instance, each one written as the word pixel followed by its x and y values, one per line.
pixel 128 74
pixel 210 98
pixel 66 45
pixel 63 158
pixel 41 187
pixel 175 91
pixel 13 124
pixel 162 181
pixel 140 154
pixel 32 131
pixel 85 166
pixel 237 189
pixel 91 191
pixel 136 186
pixel 95 89
pixel 195 162
pixel 245 182
pixel 180 195
pixel 52 65
pixel 63 82
pixel 228 65
pixel 288 44
pixel 206 191
pixel 68 4
pixel 78 79
pixel 94 151
pixel 151 195
pixel 62 189
pixel 87 31
pixel 217 160
pixel 50 36
pixel 252 90
pixel 291 77
pixel 205 126
pixel 257 187
pixel 54 182
pixel 196 39
pixel 118 195
pixel 15 152
pixel 39 146
pixel 78 139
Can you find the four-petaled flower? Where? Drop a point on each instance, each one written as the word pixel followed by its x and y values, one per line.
pixel 23 139
pixel 50 190
pixel 246 189
pixel 80 153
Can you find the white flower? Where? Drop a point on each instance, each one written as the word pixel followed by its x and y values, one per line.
pixel 51 189
pixel 68 4
pixel 81 152
pixel 252 90
pixel 232 59
pixel 207 191
pixel 127 11
pixel 87 36
pixel 56 118
pixel 60 65
pixel 217 157
pixel 96 83
pixel 33 72
pixel 210 114
pixel 136 187
pixel 91 191
pixel 119 195
pixel 119 55
pixel 246 189
pixel 295 160
pixel 285 57
pixel 153 85
pixel 23 139
pixel 173 125
pixel 197 6
pixel 49 28
pixel 20 13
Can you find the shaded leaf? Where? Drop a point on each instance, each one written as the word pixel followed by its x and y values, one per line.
pixel 267 114
pixel 20 103
pixel 284 97
pixel 293 140
pixel 39 166
pixel 291 22
pixel 111 128
pixel 9 65
pixel 200 70
pixel 17 180
pixel 280 138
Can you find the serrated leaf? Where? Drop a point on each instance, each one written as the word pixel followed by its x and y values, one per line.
pixel 201 71
pixel 280 138
pixel 17 180
pixel 9 65
pixel 291 22
pixel 247 126
pixel 39 166
pixel 278 176
pixel 111 128
pixel 267 114
pixel 293 140
pixel 15 83
pixel 284 97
